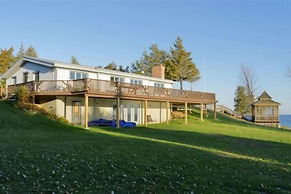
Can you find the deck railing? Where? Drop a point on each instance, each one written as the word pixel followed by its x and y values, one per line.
pixel 102 86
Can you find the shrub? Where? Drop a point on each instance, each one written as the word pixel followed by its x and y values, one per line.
pixel 22 96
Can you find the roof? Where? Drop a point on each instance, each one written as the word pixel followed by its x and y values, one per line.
pixel 265 99
pixel 64 65
pixel 265 96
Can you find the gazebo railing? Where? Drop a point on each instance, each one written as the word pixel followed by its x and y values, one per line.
pixel 266 118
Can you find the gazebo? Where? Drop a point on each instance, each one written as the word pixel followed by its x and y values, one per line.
pixel 265 111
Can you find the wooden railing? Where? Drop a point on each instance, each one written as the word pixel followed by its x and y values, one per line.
pixel 266 118
pixel 98 86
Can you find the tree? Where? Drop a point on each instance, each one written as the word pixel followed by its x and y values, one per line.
pixel 31 52
pixel 249 80
pixel 20 53
pixel 240 101
pixel 126 69
pixel 111 66
pixel 6 59
pixel 74 60
pixel 179 66
pixel 149 60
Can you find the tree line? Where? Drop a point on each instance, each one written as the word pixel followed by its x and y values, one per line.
pixel 7 58
pixel 178 62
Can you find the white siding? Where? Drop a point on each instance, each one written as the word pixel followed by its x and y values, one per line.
pixel 102 76
pixel 45 73
pixel 157 110
pixel 104 108
pixel 62 74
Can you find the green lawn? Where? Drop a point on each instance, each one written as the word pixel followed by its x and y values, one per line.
pixel 223 156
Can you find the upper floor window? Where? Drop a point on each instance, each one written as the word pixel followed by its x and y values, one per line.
pixel 35 76
pixel 117 79
pixel 77 75
pixel 25 77
pixel 159 85
pixel 135 81
pixel 13 80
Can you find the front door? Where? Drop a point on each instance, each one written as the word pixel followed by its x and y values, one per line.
pixel 76 116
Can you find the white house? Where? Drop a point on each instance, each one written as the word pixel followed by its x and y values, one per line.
pixel 83 93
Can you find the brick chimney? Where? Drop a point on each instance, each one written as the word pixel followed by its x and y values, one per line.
pixel 158 71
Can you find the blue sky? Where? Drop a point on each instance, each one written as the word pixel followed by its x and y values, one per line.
pixel 224 33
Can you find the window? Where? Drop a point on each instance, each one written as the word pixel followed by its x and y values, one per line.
pixel 135 81
pixel 77 75
pixel 25 77
pixel 136 113
pixel 117 79
pixel 159 85
pixel 14 80
pixel 36 76
pixel 72 75
pixel 128 113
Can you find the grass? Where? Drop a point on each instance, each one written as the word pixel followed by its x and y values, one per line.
pixel 223 156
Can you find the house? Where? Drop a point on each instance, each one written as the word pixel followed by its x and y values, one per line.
pixel 84 93
pixel 265 111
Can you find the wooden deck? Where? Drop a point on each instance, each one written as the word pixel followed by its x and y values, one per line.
pixel 108 89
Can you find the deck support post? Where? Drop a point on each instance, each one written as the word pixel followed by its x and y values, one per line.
pixel 201 111
pixel 186 113
pixel 86 110
pixel 117 112
pixel 167 112
pixel 145 113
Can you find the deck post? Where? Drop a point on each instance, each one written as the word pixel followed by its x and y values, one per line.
pixel 145 113
pixel 86 110
pixel 201 111
pixel 186 113
pixel 167 112
pixel 118 113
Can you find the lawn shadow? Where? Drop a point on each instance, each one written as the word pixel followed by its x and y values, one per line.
pixel 217 144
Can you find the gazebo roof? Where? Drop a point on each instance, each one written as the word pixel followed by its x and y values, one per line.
pixel 265 99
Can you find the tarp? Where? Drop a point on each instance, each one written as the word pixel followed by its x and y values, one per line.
pixel 112 123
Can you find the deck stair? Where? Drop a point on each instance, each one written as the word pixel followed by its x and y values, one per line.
pixel 228 111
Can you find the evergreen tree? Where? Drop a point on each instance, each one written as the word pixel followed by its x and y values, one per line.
pixel 20 53
pixel 241 104
pixel 180 67
pixel 149 60
pixel 6 59
pixel 126 69
pixel 31 52
pixel 74 60
pixel 111 66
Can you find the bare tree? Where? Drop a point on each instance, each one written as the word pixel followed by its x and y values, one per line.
pixel 249 80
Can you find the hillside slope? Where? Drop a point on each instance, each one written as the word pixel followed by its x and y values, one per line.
pixel 223 156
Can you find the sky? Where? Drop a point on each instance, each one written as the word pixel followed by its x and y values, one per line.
pixel 220 34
